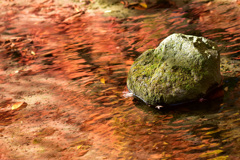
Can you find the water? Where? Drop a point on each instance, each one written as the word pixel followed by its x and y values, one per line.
pixel 96 52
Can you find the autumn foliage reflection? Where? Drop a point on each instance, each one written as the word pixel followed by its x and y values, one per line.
pixel 76 60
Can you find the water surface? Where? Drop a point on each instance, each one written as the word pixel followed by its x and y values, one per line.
pixel 96 52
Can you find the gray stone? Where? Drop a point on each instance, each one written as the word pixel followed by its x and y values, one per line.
pixel 181 68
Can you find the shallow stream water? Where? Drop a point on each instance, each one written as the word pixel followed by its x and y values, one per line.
pixel 96 52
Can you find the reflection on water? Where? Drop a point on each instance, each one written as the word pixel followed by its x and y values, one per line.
pixel 96 53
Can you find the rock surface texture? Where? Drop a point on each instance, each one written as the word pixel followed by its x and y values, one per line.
pixel 180 69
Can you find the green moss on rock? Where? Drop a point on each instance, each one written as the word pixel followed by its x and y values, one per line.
pixel 181 68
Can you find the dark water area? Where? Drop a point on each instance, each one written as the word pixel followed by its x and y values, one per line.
pixel 96 52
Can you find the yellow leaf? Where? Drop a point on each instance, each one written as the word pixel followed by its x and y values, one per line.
pixel 102 80
pixel 211 153
pixel 165 143
pixel 143 4
pixel 78 147
pixel 77 10
pixel 19 105
pixel 212 132
pixel 33 53
pixel 220 158
pixel 226 89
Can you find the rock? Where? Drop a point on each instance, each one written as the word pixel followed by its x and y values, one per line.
pixel 182 68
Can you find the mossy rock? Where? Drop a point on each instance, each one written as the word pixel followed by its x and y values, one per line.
pixel 182 68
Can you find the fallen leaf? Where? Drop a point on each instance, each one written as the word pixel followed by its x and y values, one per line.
pixel 102 80
pixel 226 89
pixel 19 105
pixel 78 147
pixel 165 143
pixel 143 4
pixel 33 53
pixel 108 11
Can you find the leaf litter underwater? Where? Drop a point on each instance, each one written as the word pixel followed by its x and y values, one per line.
pixel 63 74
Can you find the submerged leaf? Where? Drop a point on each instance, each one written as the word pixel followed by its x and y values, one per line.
pixel 102 80
pixel 143 4
pixel 211 153
pixel 78 147
pixel 19 105
pixel 33 53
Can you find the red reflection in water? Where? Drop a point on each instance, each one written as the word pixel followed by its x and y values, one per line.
pixel 91 118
